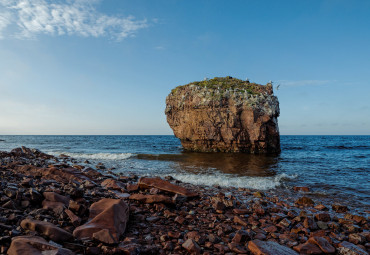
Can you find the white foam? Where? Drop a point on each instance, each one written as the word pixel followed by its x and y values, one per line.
pixel 97 156
pixel 225 180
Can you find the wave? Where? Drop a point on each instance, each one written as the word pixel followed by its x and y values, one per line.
pixel 96 156
pixel 224 180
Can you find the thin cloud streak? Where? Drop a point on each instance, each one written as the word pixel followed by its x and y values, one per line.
pixel 29 18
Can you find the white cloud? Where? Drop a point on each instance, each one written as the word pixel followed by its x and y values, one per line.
pixel 29 18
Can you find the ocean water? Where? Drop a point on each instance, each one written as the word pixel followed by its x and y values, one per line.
pixel 334 167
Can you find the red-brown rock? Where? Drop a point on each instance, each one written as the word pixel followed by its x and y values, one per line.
pixel 146 182
pixel 304 189
pixel 113 184
pixel 324 245
pixel 305 201
pixel 48 229
pixel 151 199
pixel 107 221
pixel 258 247
pixel 191 246
pixel 55 197
pixel 225 115
pixel 307 248
pixel 34 245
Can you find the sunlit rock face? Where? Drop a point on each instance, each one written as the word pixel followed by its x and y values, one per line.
pixel 225 115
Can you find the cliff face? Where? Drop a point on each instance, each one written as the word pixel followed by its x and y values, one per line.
pixel 225 115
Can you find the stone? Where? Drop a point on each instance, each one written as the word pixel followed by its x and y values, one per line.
pixel 191 246
pixel 339 208
pixel 306 201
pixel 324 245
pixel 347 248
pixel 56 207
pixel 34 245
pixel 259 247
pixel 303 189
pixel 307 248
pixel 46 228
pixel 325 217
pixel 240 221
pixel 73 217
pixel 225 115
pixel 108 217
pixel 310 223
pixel 151 199
pixel 158 183
pixel 240 237
pixel 55 197
pixel 113 184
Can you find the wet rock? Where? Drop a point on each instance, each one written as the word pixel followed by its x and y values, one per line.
pixel 147 183
pixel 325 217
pixel 258 247
pixel 34 245
pixel 339 208
pixel 107 221
pixel 306 201
pixel 48 229
pixel 56 207
pixel 346 248
pixel 151 199
pixel 303 189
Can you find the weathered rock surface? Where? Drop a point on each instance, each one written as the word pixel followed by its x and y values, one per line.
pixel 259 247
pixel 146 182
pixel 225 115
pixel 34 245
pixel 108 219
pixel 48 229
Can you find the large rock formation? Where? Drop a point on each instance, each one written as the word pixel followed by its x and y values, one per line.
pixel 225 115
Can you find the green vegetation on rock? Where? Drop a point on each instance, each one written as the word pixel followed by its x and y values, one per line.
pixel 228 82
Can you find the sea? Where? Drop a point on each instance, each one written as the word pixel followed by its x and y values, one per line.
pixel 335 168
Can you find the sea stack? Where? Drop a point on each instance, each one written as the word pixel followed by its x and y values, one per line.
pixel 225 114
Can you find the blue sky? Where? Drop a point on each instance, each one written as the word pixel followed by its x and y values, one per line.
pixel 106 67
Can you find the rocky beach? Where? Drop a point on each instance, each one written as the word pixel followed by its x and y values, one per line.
pixel 57 205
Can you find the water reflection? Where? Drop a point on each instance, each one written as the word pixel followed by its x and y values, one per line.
pixel 239 164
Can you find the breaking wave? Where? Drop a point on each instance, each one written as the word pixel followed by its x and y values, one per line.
pixel 224 180
pixel 97 156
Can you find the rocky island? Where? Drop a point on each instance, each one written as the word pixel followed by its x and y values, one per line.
pixel 225 115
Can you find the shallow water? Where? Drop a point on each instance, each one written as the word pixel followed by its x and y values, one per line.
pixel 336 167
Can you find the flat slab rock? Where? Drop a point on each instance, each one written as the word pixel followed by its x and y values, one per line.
pixel 107 221
pixel 145 183
pixel 34 245
pixel 48 229
pixel 258 247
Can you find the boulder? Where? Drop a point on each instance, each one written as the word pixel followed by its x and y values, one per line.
pixel 46 228
pixel 225 115
pixel 34 245
pixel 258 247
pixel 158 183
pixel 107 221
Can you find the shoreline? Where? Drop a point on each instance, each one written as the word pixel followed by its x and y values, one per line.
pixel 216 221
